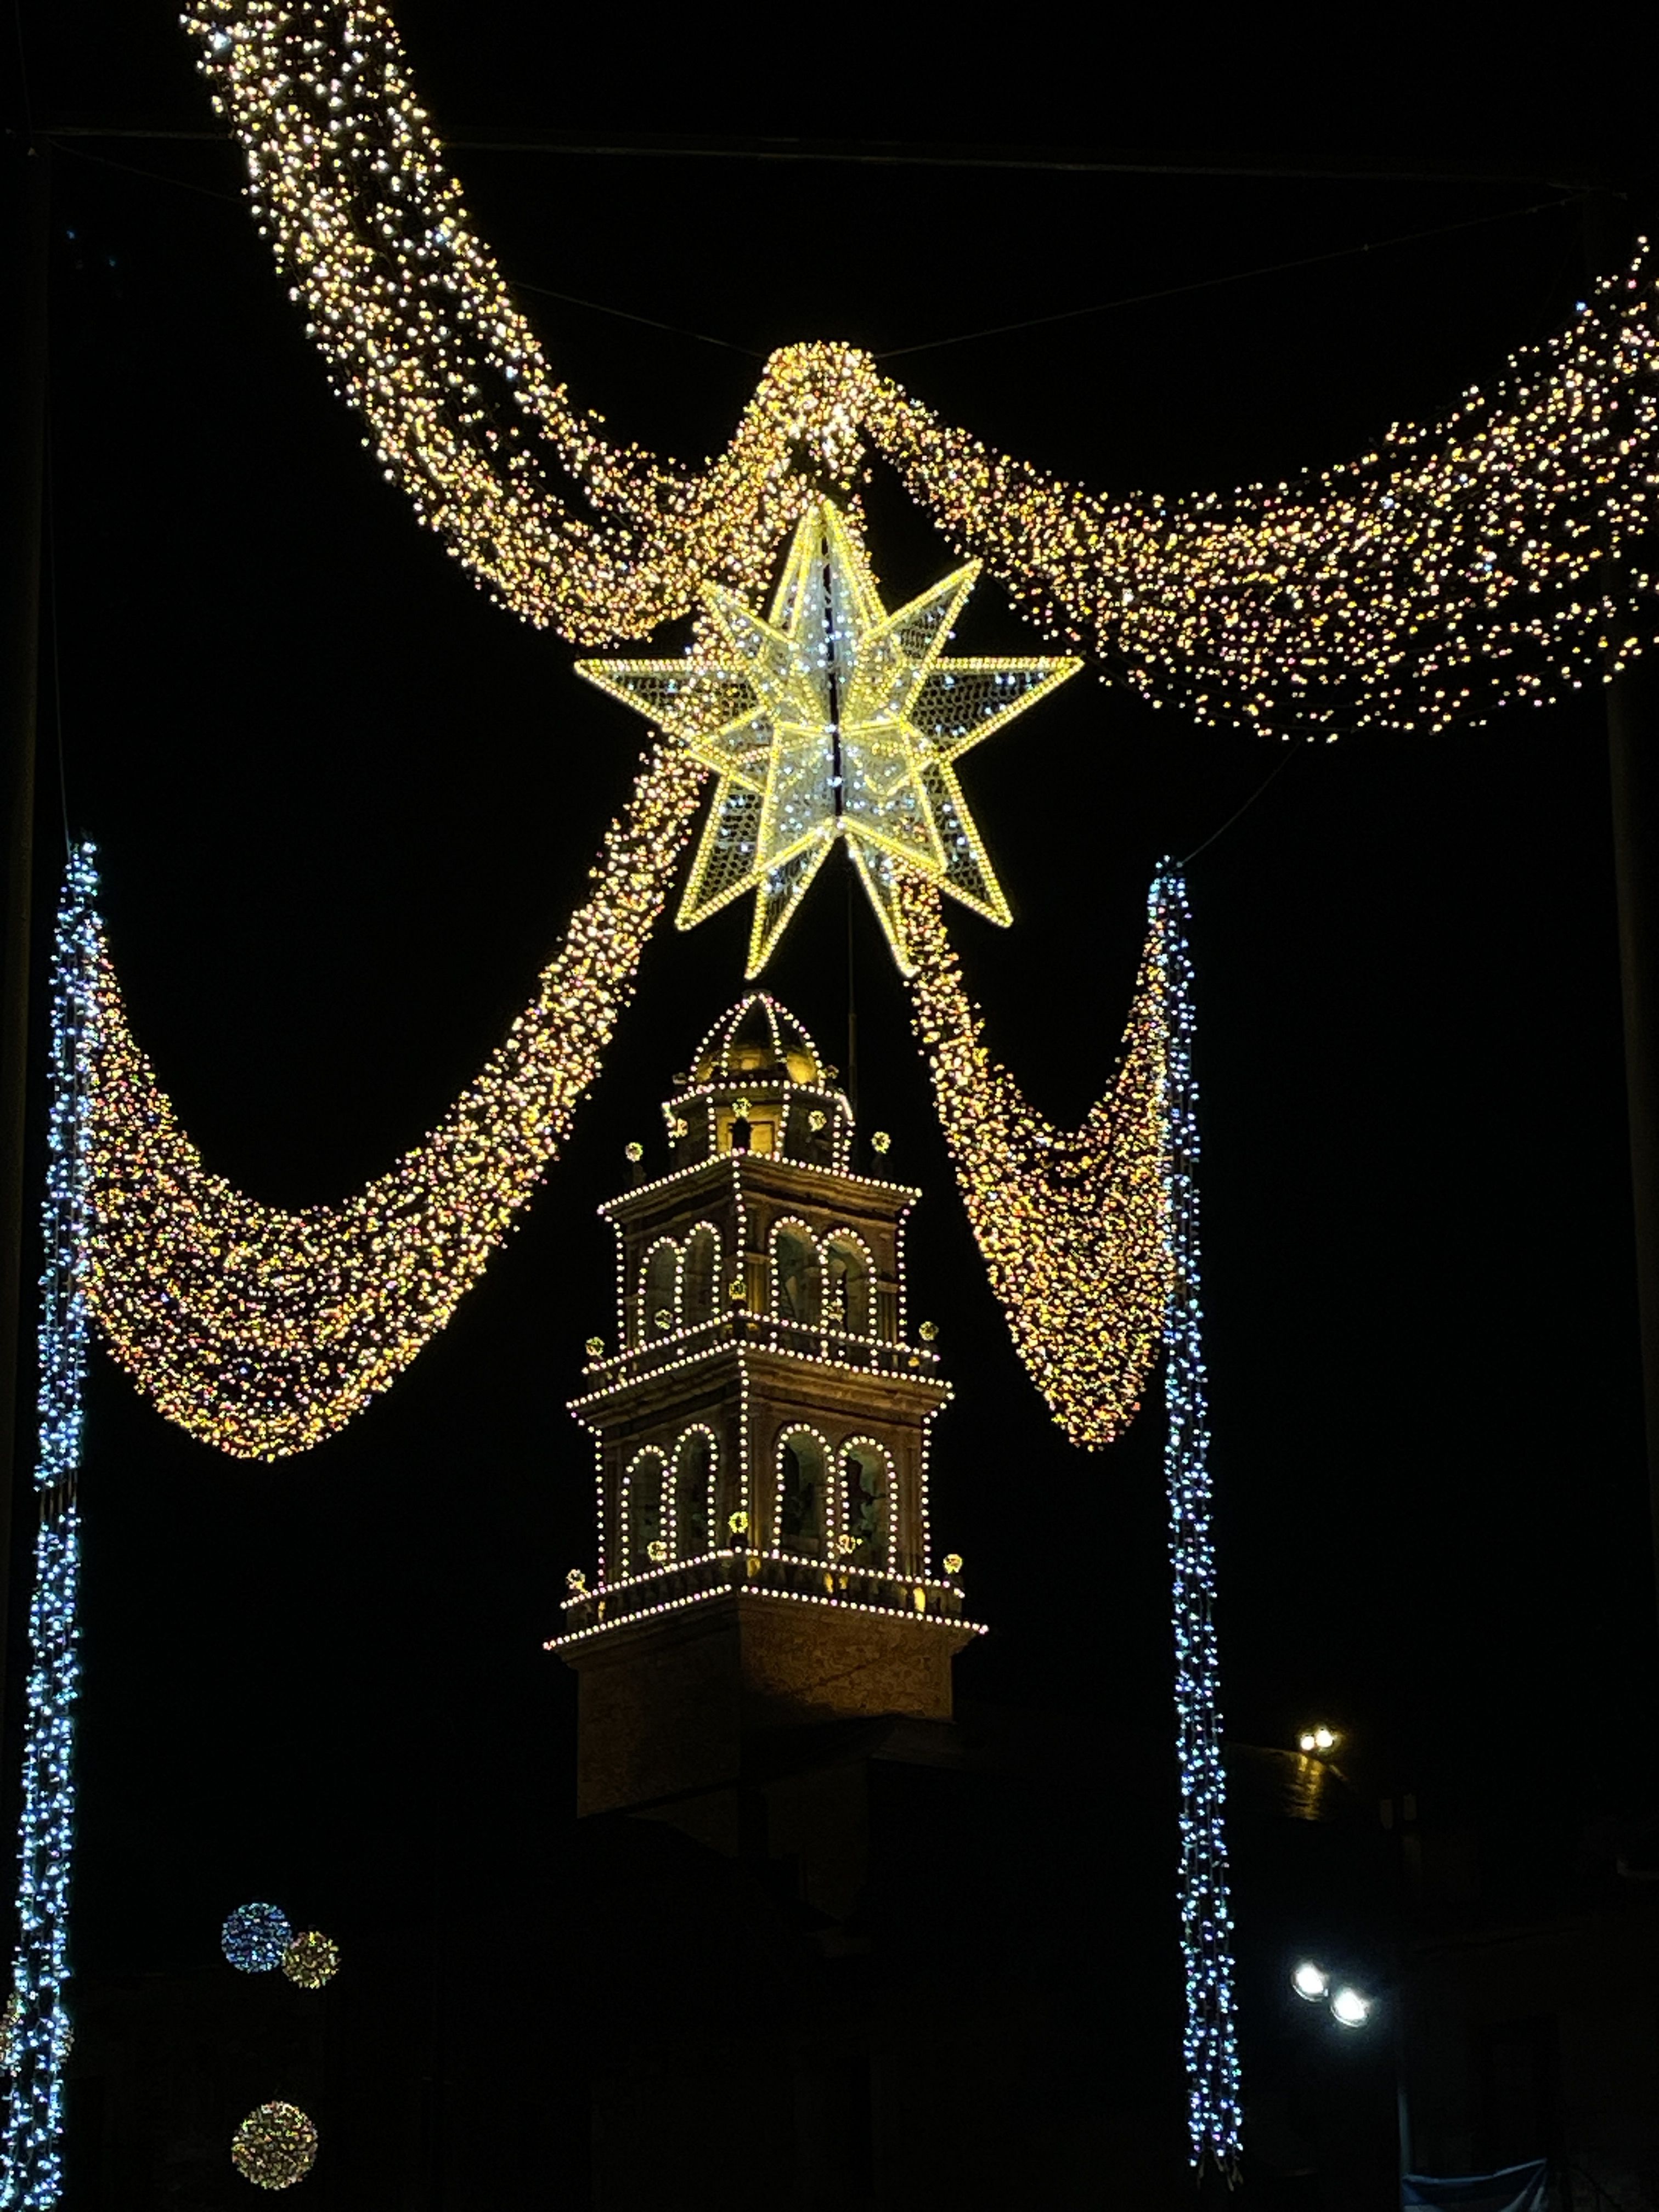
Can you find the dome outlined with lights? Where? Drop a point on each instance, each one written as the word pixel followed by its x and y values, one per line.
pixel 758 1037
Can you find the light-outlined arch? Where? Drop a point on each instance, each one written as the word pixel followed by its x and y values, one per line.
pixel 692 1503
pixel 642 1512
pixel 660 1290
pixel 804 1514
pixel 797 1272
pixel 700 1268
pixel 864 1504
pixel 849 1275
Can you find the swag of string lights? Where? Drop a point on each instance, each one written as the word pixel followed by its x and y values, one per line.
pixel 1492 557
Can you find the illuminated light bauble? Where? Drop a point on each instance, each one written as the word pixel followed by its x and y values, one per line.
pixel 656 1551
pixel 311 1959
pixel 953 1562
pixel 275 2146
pixel 831 720
pixel 928 1332
pixel 254 1938
pixel 595 1347
pixel 633 1153
pixel 880 1142
pixel 738 1524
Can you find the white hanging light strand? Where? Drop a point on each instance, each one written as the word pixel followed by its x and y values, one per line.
pixel 1214 2111
pixel 38 2022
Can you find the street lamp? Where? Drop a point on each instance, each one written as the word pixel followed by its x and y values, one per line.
pixel 1321 1738
pixel 1348 2008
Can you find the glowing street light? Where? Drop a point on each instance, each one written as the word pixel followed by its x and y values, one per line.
pixel 1320 1739
pixel 1349 2008
pixel 1310 1981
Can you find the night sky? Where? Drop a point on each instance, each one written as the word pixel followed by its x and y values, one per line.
pixel 343 806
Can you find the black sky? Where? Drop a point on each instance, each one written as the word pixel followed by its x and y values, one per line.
pixel 343 806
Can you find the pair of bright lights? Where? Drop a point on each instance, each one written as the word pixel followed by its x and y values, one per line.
pixel 1348 2008
pixel 1319 1739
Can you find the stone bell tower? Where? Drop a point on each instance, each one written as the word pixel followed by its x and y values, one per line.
pixel 761 1433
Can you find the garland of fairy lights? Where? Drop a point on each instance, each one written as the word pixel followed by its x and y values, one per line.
pixel 1214 2108
pixel 1494 556
pixel 31 2167
pixel 1070 1223
pixel 262 1331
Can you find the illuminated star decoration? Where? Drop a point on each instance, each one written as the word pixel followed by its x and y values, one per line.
pixel 831 719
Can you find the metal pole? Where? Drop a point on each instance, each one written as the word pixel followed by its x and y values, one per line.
pixel 22 448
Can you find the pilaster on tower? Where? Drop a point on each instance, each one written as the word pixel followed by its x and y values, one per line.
pixel 764 1555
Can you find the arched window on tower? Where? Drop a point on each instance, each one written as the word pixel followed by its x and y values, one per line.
pixel 801 1496
pixel 697 1277
pixel 641 1512
pixel 795 1274
pixel 846 1301
pixel 867 1487
pixel 694 1496
pixel 660 1292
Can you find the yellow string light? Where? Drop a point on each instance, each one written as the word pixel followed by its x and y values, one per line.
pixel 1070 1223
pixel 1486 558
pixel 261 1330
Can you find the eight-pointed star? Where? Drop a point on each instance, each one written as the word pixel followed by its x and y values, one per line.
pixel 832 719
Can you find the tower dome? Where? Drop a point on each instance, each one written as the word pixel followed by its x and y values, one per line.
pixel 756 1039
pixel 759 1084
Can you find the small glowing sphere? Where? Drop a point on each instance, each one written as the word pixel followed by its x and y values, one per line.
pixel 880 1141
pixel 633 1153
pixel 275 2146
pixel 311 1959
pixel 736 1293
pixel 737 1522
pixel 928 1331
pixel 595 1347
pixel 577 1581
pixel 953 1562
pixel 1310 1981
pixel 254 1938
pixel 1306 1739
pixel 656 1551
pixel 1349 2007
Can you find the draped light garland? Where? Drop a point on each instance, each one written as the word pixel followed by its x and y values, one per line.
pixel 1492 557
pixel 31 2161
pixel 261 1330
pixel 1214 2111
pixel 1070 1223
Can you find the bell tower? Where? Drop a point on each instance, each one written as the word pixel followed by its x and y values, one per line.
pixel 761 1435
